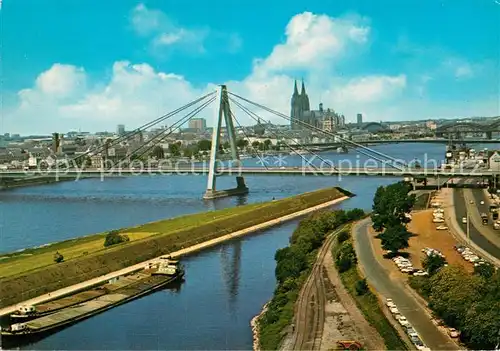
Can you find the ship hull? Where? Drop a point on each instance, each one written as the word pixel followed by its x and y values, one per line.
pixel 49 329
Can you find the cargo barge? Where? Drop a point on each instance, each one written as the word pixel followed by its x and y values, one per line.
pixel 154 276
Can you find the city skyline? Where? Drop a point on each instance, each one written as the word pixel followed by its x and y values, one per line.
pixel 387 65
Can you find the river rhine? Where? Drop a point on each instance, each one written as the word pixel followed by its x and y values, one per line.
pixel 225 286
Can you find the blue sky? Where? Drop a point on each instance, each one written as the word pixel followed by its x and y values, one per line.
pixel 87 64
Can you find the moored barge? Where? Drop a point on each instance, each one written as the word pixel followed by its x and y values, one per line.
pixel 153 277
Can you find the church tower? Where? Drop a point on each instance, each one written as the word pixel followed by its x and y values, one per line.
pixel 304 98
pixel 296 107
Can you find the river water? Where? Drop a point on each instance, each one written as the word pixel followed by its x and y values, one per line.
pixel 225 286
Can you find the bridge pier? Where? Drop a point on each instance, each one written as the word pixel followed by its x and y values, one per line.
pixel 223 109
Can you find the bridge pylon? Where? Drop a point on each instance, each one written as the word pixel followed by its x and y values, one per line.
pixel 223 110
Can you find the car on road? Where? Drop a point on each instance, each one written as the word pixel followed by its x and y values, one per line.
pixel 420 273
pixel 482 202
pixel 390 303
pixel 411 332
pixel 442 227
pixel 471 202
pixel 438 220
pixel 464 220
pixel 394 310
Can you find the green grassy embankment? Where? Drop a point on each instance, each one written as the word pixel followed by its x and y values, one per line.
pixel 368 303
pixel 32 272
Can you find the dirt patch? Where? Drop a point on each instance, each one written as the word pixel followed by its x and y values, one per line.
pixel 425 235
pixel 338 323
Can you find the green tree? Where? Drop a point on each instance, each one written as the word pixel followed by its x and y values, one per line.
pixel 226 145
pixel 158 152
pixel 204 145
pixel 188 152
pixel 395 238
pixel 433 263
pixel 289 263
pixel 174 149
pixel 361 287
pixel 267 144
pixel 114 237
pixel 242 143
pixel 485 270
pixel 256 145
pixel 391 205
pixel 58 257
pixel 452 293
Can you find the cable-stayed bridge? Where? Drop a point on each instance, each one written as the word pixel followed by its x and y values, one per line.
pixel 225 101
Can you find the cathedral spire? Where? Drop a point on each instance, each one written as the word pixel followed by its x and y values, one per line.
pixel 303 92
pixel 295 90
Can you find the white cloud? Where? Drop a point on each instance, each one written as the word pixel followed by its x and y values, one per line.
pixel 460 68
pixel 165 33
pixel 314 40
pixel 137 93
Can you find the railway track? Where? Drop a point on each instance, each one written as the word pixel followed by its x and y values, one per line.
pixel 310 308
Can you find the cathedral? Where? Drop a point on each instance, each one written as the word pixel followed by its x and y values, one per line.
pixel 324 119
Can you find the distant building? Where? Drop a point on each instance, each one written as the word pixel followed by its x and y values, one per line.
pixel 431 125
pixel 120 129
pixel 199 124
pixel 321 118
pixel 360 119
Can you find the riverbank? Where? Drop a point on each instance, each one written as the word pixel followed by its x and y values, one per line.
pixel 179 236
pixel 254 324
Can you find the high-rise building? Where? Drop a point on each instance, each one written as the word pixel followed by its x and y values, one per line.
pixel 120 129
pixel 200 124
pixel 360 119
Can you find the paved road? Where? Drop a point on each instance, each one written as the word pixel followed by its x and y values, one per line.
pixel 476 229
pixel 379 278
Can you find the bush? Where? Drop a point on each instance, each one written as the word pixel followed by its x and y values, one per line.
pixel 343 236
pixel 114 237
pixel 58 257
pixel 361 287
pixel 433 263
pixel 345 257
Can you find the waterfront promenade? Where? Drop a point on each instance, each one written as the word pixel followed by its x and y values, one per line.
pixel 177 254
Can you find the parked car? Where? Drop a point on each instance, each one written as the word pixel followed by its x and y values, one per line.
pixel 442 227
pixel 464 220
pixel 453 332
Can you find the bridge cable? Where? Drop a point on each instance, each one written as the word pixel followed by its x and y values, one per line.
pixel 167 133
pixel 279 114
pixel 143 127
pixel 282 134
pixel 250 113
pixel 311 127
pixel 246 136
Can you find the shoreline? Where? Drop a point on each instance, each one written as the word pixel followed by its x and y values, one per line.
pixel 254 324
pixel 176 254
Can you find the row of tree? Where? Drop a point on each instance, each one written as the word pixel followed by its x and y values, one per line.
pixel 293 265
pixel 202 148
pixel 467 302
pixel 392 205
